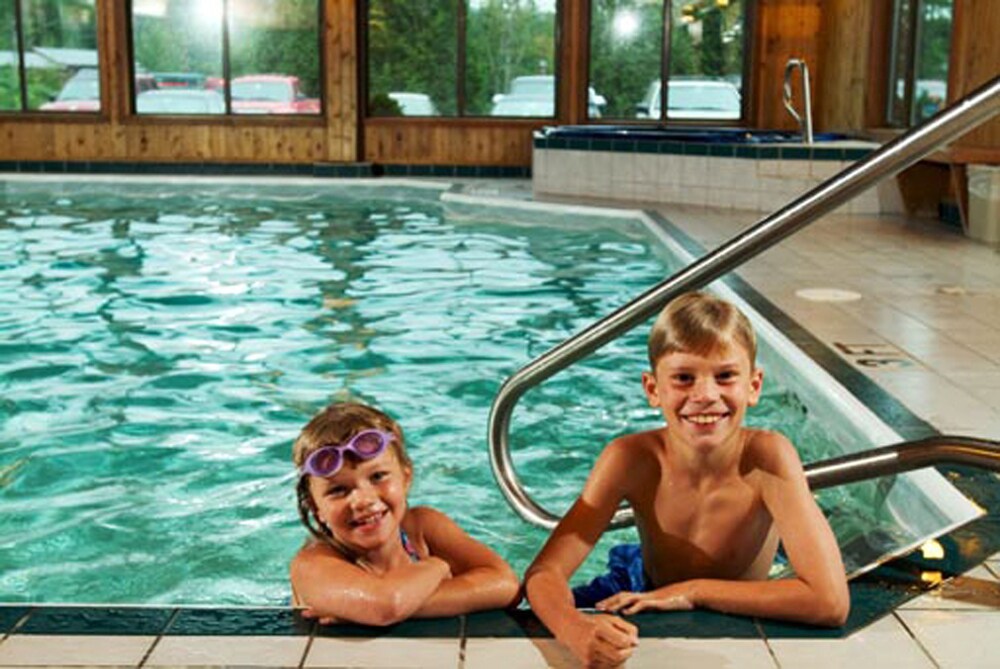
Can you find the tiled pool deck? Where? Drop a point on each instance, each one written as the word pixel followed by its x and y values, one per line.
pixel 921 346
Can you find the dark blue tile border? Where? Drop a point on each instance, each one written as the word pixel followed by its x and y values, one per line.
pixel 427 628
pixel 10 616
pixel 240 622
pixel 97 620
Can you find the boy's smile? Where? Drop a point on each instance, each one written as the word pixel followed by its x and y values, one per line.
pixel 704 396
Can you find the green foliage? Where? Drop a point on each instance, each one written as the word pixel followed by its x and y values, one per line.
pixel 10 91
pixel 381 104
pixel 412 46
pixel 621 69
pixel 44 85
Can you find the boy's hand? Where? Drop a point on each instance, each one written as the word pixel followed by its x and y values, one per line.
pixel 603 640
pixel 669 598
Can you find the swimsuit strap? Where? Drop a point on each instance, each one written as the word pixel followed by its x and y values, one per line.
pixel 408 547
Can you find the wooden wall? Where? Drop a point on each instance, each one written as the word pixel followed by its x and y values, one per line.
pixel 843 42
pixel 975 59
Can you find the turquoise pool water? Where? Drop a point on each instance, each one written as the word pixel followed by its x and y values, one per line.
pixel 161 346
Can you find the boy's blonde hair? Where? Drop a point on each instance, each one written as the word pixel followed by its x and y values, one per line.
pixel 335 425
pixel 700 323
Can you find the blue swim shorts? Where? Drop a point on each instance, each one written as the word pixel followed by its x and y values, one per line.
pixel 625 573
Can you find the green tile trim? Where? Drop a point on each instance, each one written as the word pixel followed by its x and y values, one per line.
pixel 97 620
pixel 516 623
pixel 424 628
pixel 10 616
pixel 699 624
pixel 240 622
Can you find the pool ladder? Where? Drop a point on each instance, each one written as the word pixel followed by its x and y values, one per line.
pixel 805 120
pixel 965 114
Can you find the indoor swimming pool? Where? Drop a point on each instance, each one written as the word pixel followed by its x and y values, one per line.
pixel 162 343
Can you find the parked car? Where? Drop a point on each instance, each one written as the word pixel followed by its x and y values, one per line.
pixel 80 93
pixel 534 95
pixel 180 101
pixel 706 99
pixel 414 104
pixel 270 94
pixel 179 79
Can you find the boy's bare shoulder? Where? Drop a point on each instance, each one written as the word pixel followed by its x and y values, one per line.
pixel 771 452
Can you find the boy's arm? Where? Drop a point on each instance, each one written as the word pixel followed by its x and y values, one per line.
pixel 816 594
pixel 480 578
pixel 593 639
pixel 334 589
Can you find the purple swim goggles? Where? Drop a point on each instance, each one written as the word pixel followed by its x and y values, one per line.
pixel 327 460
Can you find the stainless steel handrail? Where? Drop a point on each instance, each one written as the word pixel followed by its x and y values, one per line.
pixel 805 120
pixel 904 457
pixel 952 122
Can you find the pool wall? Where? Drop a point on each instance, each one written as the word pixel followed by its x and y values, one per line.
pixel 726 169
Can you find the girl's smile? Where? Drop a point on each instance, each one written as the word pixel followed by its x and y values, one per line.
pixel 363 505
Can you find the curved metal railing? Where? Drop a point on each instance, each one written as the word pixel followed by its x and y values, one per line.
pixel 904 457
pixel 952 122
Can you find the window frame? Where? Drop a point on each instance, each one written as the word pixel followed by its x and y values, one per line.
pixel 666 28
pixel 461 36
pixel 228 117
pixel 22 72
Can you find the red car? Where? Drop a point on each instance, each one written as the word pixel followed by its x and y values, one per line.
pixel 270 94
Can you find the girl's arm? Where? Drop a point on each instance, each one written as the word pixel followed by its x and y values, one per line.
pixel 480 578
pixel 816 594
pixel 335 589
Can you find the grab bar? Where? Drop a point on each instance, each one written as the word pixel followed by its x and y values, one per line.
pixel 962 116
pixel 806 123
pixel 904 457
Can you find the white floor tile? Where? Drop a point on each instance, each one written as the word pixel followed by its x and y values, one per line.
pixel 384 652
pixel 883 644
pixel 34 650
pixel 702 654
pixel 245 651
pixel 959 639
pixel 518 654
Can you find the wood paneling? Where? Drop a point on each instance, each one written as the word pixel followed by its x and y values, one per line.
pixel 785 29
pixel 843 42
pixel 846 62
pixel 975 59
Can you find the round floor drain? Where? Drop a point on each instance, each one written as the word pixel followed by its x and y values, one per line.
pixel 827 295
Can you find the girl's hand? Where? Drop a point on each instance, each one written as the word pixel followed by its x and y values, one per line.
pixel 669 598
pixel 309 614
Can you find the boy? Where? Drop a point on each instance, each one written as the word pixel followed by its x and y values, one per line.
pixel 711 500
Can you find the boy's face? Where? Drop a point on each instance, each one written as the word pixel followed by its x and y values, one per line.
pixel 704 397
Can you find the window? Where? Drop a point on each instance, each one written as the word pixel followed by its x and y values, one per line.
pixel 219 56
pixel 461 57
pixel 920 49
pixel 48 56
pixel 702 59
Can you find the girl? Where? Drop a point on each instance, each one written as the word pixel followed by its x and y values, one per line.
pixel 372 559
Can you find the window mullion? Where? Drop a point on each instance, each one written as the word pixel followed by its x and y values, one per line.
pixel 19 31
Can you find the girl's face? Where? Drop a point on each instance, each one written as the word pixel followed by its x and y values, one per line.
pixel 364 503
pixel 704 397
